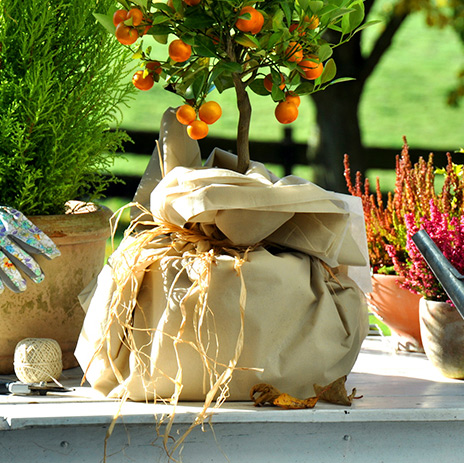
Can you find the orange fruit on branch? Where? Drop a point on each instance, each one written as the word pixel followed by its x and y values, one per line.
pixel 313 21
pixel 119 16
pixel 186 114
pixel 292 97
pixel 192 2
pixel 197 130
pixel 268 83
pixel 298 28
pixel 210 112
pixel 286 112
pixel 154 66
pixel 311 67
pixel 136 15
pixel 125 34
pixel 179 51
pixel 143 83
pixel 254 24
pixel 294 52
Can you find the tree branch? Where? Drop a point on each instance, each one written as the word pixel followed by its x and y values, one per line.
pixel 382 44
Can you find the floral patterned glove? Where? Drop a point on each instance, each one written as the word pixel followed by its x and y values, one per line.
pixel 18 238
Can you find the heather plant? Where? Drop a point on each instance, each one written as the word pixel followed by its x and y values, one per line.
pixel 448 234
pixel 61 82
pixel 414 194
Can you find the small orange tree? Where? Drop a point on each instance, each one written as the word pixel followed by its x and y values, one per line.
pixel 274 48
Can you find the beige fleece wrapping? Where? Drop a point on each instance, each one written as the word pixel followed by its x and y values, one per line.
pixel 237 284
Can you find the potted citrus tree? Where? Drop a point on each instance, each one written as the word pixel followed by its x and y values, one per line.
pixel 394 300
pixel 61 81
pixel 222 249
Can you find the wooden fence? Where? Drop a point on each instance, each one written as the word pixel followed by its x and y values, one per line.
pixel 286 153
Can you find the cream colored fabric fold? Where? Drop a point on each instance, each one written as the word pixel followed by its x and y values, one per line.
pixel 302 326
pixel 241 275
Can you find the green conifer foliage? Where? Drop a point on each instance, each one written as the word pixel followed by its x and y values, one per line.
pixel 61 81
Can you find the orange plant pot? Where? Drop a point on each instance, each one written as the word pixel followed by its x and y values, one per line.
pixel 396 307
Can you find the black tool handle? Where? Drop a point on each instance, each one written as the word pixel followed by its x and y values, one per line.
pixel 4 389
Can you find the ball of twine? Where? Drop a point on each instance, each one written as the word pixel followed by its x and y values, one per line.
pixel 37 359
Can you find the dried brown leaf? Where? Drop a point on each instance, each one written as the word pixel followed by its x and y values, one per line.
pixel 288 402
pixel 267 393
pixel 335 392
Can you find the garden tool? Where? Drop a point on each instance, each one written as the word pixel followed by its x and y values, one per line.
pixel 451 280
pixel 19 238
pixel 19 388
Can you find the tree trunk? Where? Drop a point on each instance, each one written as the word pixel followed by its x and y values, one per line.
pixel 243 129
pixel 337 107
pixel 339 133
pixel 337 118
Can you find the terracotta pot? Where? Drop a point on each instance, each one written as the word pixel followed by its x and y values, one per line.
pixel 396 307
pixel 51 309
pixel 442 330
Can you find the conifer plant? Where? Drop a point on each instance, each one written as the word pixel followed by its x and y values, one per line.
pixel 61 82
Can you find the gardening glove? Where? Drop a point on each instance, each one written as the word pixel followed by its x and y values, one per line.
pixel 18 238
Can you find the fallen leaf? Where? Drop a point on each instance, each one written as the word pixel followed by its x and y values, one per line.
pixel 288 402
pixel 267 393
pixel 270 394
pixel 335 392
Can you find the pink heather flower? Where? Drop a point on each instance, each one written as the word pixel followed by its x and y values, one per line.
pixel 448 234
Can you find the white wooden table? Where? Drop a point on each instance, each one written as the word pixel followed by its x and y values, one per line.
pixel 408 413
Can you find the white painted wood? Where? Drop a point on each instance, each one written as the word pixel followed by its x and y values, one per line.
pixel 408 413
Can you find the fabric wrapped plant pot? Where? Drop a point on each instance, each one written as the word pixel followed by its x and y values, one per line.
pixel 231 280
pixel 202 315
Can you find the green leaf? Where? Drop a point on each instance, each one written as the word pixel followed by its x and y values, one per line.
pixel 273 39
pixel 230 66
pixel 204 46
pixel 304 4
pixel 315 6
pixel 159 18
pixel 288 13
pixel 330 69
pixel 142 3
pixel 335 15
pixel 342 79
pixel 223 82
pixel 277 93
pixel 125 4
pixel 139 53
pixel 177 5
pixel 305 88
pixel 276 77
pixel 160 30
pixel 162 7
pixel 197 19
pixel 254 40
pixel 367 24
pixel 277 20
pixel 198 86
pixel 246 40
pixel 163 39
pixel 257 86
pixel 106 21
pixel 325 52
pixel 352 20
